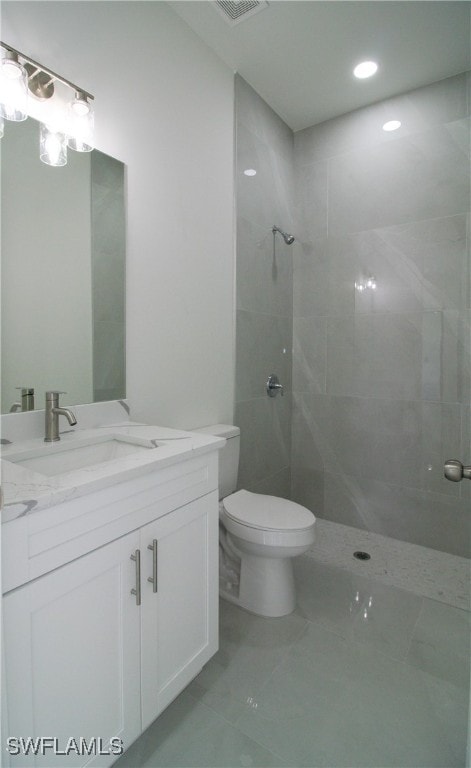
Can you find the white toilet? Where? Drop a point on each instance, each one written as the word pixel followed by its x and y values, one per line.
pixel 259 536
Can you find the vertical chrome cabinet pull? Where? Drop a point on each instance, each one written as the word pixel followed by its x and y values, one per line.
pixel 137 591
pixel 153 578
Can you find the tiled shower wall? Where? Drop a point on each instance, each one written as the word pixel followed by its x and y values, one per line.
pixel 380 392
pixel 264 293
pixel 381 377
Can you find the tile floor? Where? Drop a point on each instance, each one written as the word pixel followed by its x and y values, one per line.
pixel 421 570
pixel 362 674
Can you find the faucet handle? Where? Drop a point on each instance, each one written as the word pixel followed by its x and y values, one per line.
pixel 52 398
pixel 273 385
pixel 52 395
pixel 27 398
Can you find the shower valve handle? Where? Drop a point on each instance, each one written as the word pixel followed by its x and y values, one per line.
pixel 455 471
pixel 273 385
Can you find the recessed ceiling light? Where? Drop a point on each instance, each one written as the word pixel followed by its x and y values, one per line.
pixel 365 69
pixel 392 125
pixel 250 172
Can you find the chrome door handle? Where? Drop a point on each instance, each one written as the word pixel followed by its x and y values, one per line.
pixel 455 471
pixel 137 591
pixel 153 578
pixel 273 385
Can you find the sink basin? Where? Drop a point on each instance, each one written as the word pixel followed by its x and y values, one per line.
pixel 57 459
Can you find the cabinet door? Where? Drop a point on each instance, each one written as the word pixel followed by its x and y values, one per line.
pixel 179 621
pixel 72 655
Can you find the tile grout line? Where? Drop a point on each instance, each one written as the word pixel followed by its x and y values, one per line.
pixel 419 616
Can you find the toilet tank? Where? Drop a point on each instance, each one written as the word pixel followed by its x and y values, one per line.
pixel 228 456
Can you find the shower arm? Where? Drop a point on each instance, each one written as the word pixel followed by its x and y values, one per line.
pixel 289 239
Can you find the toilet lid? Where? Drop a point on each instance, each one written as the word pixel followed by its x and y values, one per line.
pixel 267 512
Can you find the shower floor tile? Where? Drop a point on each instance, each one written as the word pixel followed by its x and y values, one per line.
pixel 423 571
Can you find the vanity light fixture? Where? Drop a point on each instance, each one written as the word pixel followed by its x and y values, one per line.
pixel 365 284
pixel 365 69
pixel 22 78
pixel 250 172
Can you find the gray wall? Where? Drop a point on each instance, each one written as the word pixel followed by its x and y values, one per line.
pixel 264 293
pixel 381 379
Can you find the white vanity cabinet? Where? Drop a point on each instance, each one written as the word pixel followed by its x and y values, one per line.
pixel 178 622
pixel 82 657
pixel 72 654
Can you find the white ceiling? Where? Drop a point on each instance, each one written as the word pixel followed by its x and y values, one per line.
pixel 299 56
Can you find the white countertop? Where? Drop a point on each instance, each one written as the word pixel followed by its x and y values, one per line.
pixel 26 491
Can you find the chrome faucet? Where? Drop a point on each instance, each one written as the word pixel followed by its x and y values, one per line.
pixel 53 411
pixel 27 400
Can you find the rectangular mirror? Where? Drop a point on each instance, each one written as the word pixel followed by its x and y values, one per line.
pixel 62 273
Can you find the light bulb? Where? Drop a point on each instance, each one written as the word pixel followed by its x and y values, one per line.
pixel 392 125
pixel 52 146
pixel 80 107
pixel 81 124
pixel 13 89
pixel 11 69
pixel 365 69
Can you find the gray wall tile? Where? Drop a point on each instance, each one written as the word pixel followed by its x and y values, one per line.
pixel 381 377
pixel 263 347
pixel 255 114
pixel 311 198
pixel 375 356
pixel 265 445
pixel 307 488
pixel 264 270
pixel 278 484
pixel 108 277
pixel 465 454
pixel 423 176
pixel 408 514
pixel 368 450
pixel 264 285
pixel 442 102
pixel 309 354
pixel 312 293
pixel 265 198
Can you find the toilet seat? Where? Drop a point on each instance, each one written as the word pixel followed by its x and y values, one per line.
pixel 268 520
pixel 267 512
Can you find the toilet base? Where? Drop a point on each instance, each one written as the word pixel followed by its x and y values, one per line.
pixel 266 586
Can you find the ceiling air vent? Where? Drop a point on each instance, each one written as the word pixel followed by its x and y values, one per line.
pixel 235 11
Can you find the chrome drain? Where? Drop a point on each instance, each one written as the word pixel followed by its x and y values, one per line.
pixel 362 555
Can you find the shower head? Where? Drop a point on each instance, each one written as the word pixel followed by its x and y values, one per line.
pixel 289 239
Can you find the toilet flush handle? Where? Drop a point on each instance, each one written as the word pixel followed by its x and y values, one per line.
pixel 273 385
